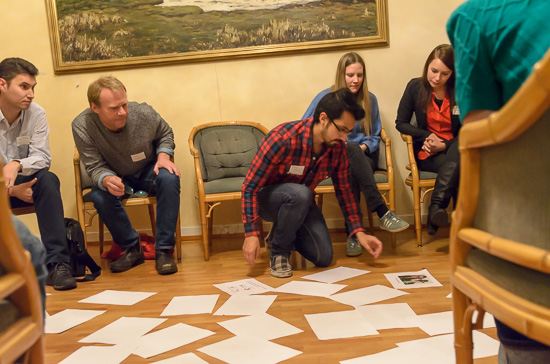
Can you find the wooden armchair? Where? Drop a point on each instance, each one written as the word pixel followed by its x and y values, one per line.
pixel 222 153
pixel 500 232
pixel 86 211
pixel 420 182
pixel 22 332
pixel 384 182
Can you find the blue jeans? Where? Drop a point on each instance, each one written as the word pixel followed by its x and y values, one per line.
pixel 49 214
pixel 165 186
pixel 38 255
pixel 298 222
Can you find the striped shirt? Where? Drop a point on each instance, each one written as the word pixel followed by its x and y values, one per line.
pixel 286 156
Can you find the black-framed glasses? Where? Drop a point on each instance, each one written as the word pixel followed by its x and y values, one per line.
pixel 339 129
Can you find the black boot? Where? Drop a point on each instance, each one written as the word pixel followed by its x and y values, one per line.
pixel 445 188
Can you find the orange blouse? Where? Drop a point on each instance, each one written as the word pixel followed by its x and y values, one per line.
pixel 439 121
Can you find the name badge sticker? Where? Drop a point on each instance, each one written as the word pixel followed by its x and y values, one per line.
pixel 23 140
pixel 138 157
pixel 297 170
pixel 455 110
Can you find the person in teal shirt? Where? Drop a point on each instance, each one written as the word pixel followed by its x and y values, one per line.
pixel 496 44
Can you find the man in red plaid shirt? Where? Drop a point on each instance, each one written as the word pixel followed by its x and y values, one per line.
pixel 279 186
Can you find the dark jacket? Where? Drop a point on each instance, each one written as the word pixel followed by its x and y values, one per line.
pixel 410 103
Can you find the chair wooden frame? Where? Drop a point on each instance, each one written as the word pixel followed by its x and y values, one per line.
pixel 19 284
pixel 420 187
pixel 86 210
pixel 207 202
pixel 387 189
pixel 470 290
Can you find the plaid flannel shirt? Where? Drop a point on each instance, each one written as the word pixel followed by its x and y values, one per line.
pixel 291 145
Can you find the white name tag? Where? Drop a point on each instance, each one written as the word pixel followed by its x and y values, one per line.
pixel 138 157
pixel 455 110
pixel 297 170
pixel 23 140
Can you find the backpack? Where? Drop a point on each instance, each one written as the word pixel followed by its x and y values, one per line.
pixel 79 257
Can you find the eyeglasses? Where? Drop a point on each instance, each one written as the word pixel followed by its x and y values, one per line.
pixel 339 129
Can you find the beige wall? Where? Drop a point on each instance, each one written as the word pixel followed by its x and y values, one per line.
pixel 269 90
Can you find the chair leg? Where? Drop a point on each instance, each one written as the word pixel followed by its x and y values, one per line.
pixel 101 235
pixel 152 219
pixel 462 314
pixel 204 230
pixel 417 220
pixel 371 221
pixel 178 239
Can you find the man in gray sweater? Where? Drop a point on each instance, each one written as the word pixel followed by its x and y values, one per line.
pixel 126 146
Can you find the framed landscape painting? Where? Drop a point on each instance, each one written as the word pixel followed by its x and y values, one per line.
pixel 91 35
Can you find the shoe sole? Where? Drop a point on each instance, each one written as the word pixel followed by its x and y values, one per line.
pixel 440 219
pixel 354 254
pixel 171 270
pixel 395 230
pixel 281 274
pixel 141 261
pixel 61 288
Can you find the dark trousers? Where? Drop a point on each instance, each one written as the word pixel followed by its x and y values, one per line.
pixel 165 186
pixel 49 214
pixel 362 167
pixel 433 163
pixel 298 222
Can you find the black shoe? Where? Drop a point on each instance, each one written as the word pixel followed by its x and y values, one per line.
pixel 164 262
pixel 437 217
pixel 131 257
pixel 60 277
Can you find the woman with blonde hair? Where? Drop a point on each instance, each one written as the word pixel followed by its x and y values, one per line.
pixel 362 143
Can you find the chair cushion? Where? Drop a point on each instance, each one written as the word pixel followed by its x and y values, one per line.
pixel 227 151
pixel 378 177
pixel 231 184
pixel 526 283
pixel 425 175
pixel 8 314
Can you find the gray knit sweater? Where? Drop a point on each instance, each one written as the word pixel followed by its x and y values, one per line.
pixel 127 152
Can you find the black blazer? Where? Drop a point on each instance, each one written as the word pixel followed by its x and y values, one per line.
pixel 410 103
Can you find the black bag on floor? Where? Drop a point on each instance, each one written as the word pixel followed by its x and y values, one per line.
pixel 80 259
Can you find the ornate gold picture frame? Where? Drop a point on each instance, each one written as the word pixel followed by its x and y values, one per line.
pixel 92 35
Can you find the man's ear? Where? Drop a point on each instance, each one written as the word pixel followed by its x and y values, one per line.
pixel 94 107
pixel 323 118
pixel 3 85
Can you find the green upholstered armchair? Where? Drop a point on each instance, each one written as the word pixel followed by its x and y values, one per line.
pixel 500 232
pixel 222 152
pixel 21 312
pixel 384 182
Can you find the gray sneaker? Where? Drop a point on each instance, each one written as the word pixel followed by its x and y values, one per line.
pixel 280 266
pixel 392 223
pixel 353 248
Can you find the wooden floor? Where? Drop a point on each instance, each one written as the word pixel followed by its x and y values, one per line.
pixel 196 277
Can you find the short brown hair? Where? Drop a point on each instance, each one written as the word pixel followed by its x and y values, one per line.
pixel 110 82
pixel 11 67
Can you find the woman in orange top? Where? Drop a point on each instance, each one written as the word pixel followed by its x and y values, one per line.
pixel 435 136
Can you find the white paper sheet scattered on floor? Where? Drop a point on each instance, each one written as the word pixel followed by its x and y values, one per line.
pixel 310 288
pixel 263 326
pixel 437 323
pixel 169 338
pixel 111 297
pixel 249 350
pixel 100 354
pixel 390 316
pixel 484 345
pixel 244 287
pixel 189 358
pixel 338 325
pixel 407 280
pixel 336 274
pixel 242 305
pixel 409 355
pixel 66 319
pixel 364 296
pixel 122 330
pixel 191 305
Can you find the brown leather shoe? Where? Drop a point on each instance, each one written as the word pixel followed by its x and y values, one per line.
pixel 164 262
pixel 131 257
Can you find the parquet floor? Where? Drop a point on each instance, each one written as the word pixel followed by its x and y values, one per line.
pixel 196 277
